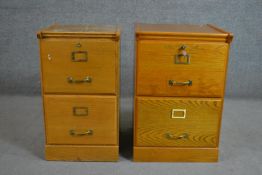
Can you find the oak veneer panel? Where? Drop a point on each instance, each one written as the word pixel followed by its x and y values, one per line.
pixel 81 28
pixel 206 68
pixel 81 153
pixel 171 154
pixel 176 29
pixel 57 65
pixel 204 84
pixel 101 119
pixel 195 138
pixel 205 56
pixel 80 31
pixel 96 102
pixel 182 32
pixel 155 121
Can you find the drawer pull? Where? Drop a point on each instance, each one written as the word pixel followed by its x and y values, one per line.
pixel 80 111
pixel 75 133
pixel 183 57
pixel 174 111
pixel 79 56
pixel 176 83
pixel 85 80
pixel 172 137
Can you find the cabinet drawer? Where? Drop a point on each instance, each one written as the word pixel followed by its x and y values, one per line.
pixel 170 68
pixel 79 66
pixel 81 119
pixel 187 122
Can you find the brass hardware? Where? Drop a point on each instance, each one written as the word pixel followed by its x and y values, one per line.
pixel 75 133
pixel 183 47
pixel 176 83
pixel 178 59
pixel 182 57
pixel 174 111
pixel 172 137
pixel 80 111
pixel 78 45
pixel 79 56
pixel 85 80
pixel 49 57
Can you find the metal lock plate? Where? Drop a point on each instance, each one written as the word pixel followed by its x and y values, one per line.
pixel 183 57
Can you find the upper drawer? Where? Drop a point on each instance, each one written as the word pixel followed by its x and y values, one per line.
pixel 170 68
pixel 81 119
pixel 79 66
pixel 166 121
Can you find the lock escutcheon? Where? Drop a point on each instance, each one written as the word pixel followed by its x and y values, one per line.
pixel 182 57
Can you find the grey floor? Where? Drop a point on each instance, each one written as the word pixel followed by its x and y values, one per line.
pixel 22 143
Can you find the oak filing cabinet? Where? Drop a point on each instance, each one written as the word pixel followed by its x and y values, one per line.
pixel 179 91
pixel 80 88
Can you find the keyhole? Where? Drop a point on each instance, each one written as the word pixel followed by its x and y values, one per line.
pixel 183 47
pixel 78 45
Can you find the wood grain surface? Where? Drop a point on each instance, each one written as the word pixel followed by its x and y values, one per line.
pixel 80 31
pixel 101 119
pixel 57 66
pixel 178 122
pixel 185 32
pixel 171 154
pixel 73 108
pixel 154 122
pixel 81 153
pixel 156 66
pixel 177 29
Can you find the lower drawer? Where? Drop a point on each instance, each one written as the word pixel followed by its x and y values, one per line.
pixel 81 119
pixel 181 122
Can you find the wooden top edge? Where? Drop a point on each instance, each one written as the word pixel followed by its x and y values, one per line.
pixel 230 35
pixel 206 30
pixel 80 30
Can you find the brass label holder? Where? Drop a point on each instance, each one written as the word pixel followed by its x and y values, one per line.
pixel 80 111
pixel 174 111
pixel 79 56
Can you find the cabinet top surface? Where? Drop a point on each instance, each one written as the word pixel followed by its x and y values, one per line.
pixel 82 29
pixel 178 28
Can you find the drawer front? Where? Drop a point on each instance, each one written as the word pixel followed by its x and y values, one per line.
pixel 81 119
pixel 169 68
pixel 79 66
pixel 186 122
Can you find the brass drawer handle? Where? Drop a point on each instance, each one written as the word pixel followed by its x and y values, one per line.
pixel 172 137
pixel 80 111
pixel 176 83
pixel 85 80
pixel 75 133
pixel 183 57
pixel 79 56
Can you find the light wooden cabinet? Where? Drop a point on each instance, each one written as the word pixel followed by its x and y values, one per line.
pixel 80 88
pixel 179 90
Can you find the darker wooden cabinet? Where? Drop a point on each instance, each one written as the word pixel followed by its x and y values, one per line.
pixel 180 77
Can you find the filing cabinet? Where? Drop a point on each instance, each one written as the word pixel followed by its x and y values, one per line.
pixel 80 89
pixel 180 78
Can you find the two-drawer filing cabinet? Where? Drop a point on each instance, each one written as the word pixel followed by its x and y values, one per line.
pixel 179 91
pixel 80 89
